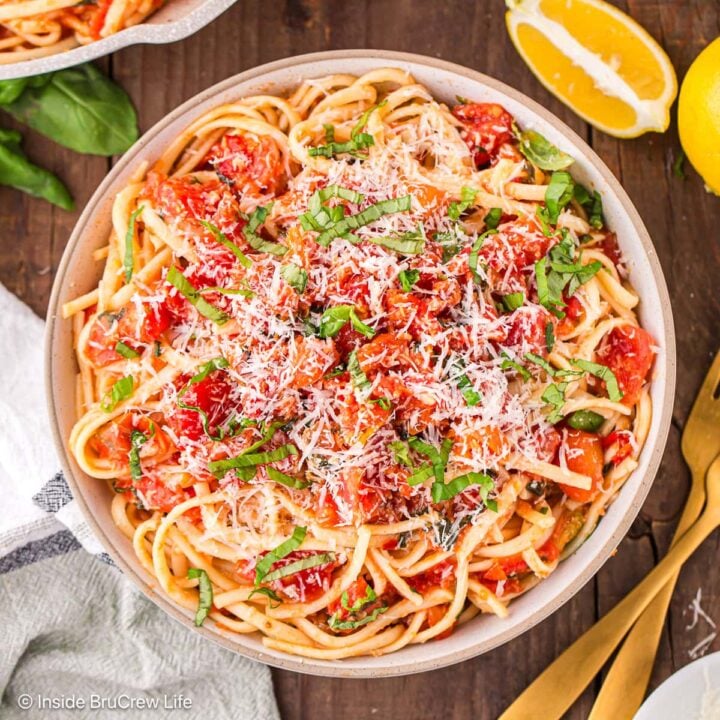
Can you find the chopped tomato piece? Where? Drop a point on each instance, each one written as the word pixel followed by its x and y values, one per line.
pixel 250 165
pixel 609 245
pixel 157 495
pixel 526 330
pixel 584 455
pixel 306 584
pixel 98 18
pixel 628 353
pixel 621 440
pixel 434 615
pixel 440 575
pixel 356 593
pixel 486 127
pixel 112 442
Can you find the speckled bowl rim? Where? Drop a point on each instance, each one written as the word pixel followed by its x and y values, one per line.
pixel 541 601
pixel 153 33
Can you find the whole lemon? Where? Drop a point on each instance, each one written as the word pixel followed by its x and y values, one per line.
pixel 699 115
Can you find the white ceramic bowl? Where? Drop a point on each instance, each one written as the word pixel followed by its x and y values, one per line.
pixel 78 273
pixel 174 21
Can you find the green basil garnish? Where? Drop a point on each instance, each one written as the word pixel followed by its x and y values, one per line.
pixel 255 220
pixel 513 301
pixel 442 492
pixel 287 480
pixel 121 390
pixel 223 239
pixel 205 594
pixel 251 459
pixel 493 217
pixel 509 364
pixel 128 260
pixel 137 440
pixel 604 373
pixel 592 204
pixel 558 194
pixel 285 548
pixel 336 624
pixel 359 379
pixel 295 276
pixel 335 318
pixel 125 350
pixel 187 289
pixel 554 395
pixel 408 278
pixel 541 152
pixel 467 198
pixel 409 243
pixel 299 565
pixel 549 336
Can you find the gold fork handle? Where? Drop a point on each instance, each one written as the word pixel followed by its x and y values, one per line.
pixel 624 688
pixel 556 689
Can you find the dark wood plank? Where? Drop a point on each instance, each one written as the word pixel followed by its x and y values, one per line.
pixel 681 218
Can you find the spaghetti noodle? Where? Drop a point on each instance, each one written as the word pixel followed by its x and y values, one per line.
pixel 356 368
pixel 34 28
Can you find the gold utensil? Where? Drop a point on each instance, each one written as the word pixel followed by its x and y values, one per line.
pixel 624 688
pixel 557 688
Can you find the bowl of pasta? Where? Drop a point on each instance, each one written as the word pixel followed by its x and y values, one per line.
pixel 357 351
pixel 44 35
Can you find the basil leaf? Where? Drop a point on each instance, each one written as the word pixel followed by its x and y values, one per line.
pixel 336 624
pixel 219 467
pixel 409 243
pixel 125 350
pixel 335 318
pixel 137 440
pixel 187 289
pixel 542 153
pixel 592 204
pixel 18 172
pixel 223 239
pixel 475 253
pixel 227 291
pixel 423 473
pixel 128 260
pixel 254 240
pixel 299 565
pixel 10 90
pixel 555 395
pixel 549 294
pixel 121 390
pixel 558 194
pixel 542 362
pixel 549 336
pixel 295 276
pixel 205 594
pixel 438 459
pixel 359 379
pixel 471 395
pixel 401 451
pixel 467 198
pixel 287 480
pixel 268 593
pixel 442 492
pixel 604 373
pixel 360 603
pixel 290 545
pixel 79 108
pixel 493 217
pixel 367 216
pixel 382 402
pixel 408 278
pixel 585 420
pixel 509 364
pixel 513 301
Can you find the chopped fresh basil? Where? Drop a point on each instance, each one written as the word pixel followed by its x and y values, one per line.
pixel 121 390
pixel 255 241
pixel 336 624
pixel 125 350
pixel 592 204
pixel 220 236
pixel 585 420
pixel 558 194
pixel 408 278
pixel 128 258
pixel 554 395
pixel 420 475
pixel 268 593
pixel 359 140
pixel 446 491
pixel 549 336
pixel 359 379
pixel 287 480
pixel 542 153
pixel 295 276
pixel 493 217
pixel 137 440
pixel 205 594
pixel 250 459
pixel 383 403
pixel 299 565
pixel 475 253
pixel 360 603
pixel 604 373
pixel 228 291
pixel 513 301
pixel 471 395
pixel 285 548
pixel 342 227
pixel 187 289
pixel 335 318
pixel 409 243
pixel 318 217
pixel 509 364
pixel 402 452
pixel 542 362
pixel 438 458
pixel 467 198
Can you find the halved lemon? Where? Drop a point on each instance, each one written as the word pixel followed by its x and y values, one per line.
pixel 598 61
pixel 699 115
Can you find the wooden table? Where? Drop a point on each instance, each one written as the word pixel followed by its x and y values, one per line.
pixel 682 218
